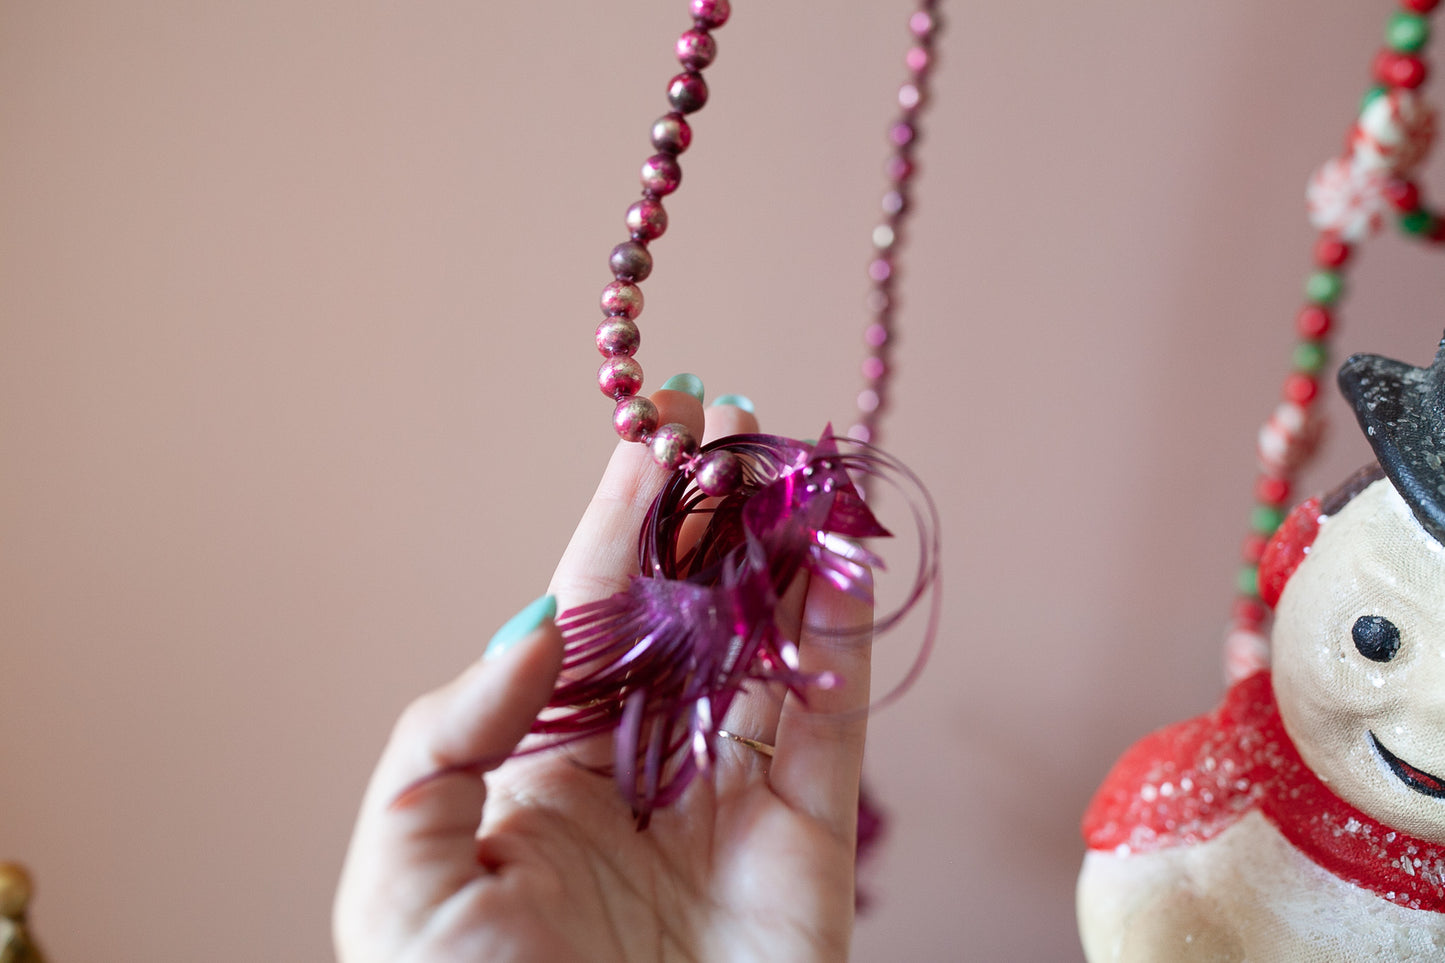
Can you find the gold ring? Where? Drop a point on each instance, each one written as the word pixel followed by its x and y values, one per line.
pixel 762 747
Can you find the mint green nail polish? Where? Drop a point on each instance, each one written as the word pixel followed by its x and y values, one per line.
pixel 522 624
pixel 690 383
pixel 737 401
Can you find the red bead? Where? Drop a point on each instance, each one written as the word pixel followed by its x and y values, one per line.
pixel 622 298
pixel 671 134
pixel 1419 6
pixel 661 174
pixel 619 377
pixel 630 261
pixel 719 473
pixel 711 13
pixel 696 49
pixel 1253 548
pixel 634 418
pixel 1399 70
pixel 687 92
pixel 1313 322
pixel 1272 490
pixel 646 219
pixel 1403 194
pixel 1300 388
pixel 617 335
pixel 1331 252
pixel 1250 613
pixel 673 446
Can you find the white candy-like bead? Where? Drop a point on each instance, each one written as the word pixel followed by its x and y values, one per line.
pixel 1287 438
pixel 1394 132
pixel 1348 199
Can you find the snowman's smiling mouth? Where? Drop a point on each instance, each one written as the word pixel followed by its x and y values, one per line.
pixel 1417 779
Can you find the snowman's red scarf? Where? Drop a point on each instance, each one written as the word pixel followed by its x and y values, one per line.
pixel 1191 781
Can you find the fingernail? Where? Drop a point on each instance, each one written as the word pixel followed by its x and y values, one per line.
pixel 521 625
pixel 690 383
pixel 737 401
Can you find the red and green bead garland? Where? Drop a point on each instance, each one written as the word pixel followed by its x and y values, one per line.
pixel 1349 198
pixel 635 418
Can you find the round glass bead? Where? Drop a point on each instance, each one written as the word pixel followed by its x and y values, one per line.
pixel 1420 6
pixel 646 219
pixel 1301 388
pixel 1266 518
pixel 661 174
pixel 1247 582
pixel 1324 287
pixel 696 49
pixel 1313 322
pixel 1271 490
pixel 619 377
pixel 673 446
pixel 1309 356
pixel 634 418
pixel 711 13
pixel 1418 221
pixel 617 335
pixel 671 133
pixel 687 92
pixel 623 299
pixel 719 473
pixel 630 261
pixel 1407 32
pixel 1331 252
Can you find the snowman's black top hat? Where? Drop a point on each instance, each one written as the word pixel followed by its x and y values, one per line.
pixel 1402 409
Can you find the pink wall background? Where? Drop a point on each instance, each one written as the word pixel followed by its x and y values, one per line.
pixel 297 404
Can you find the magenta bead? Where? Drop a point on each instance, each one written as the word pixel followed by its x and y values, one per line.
pixel 673 446
pixel 618 336
pixel 630 261
pixel 875 335
pixel 901 134
pixel 916 59
pixel 874 368
pixel 661 174
pixel 898 168
pixel 634 418
pixel 711 13
pixel 671 133
pixel 894 202
pixel 880 270
pixel 696 49
pixel 619 377
pixel 622 299
pixel 687 92
pixel 868 401
pixel 719 473
pixel 646 219
pixel 921 24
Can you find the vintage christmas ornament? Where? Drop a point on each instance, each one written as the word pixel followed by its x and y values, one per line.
pixel 1304 818
pixel 655 667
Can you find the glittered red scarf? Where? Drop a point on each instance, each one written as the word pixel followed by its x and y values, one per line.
pixel 1189 782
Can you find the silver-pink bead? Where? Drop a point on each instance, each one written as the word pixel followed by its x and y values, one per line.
pixel 719 473
pixel 647 219
pixel 687 92
pixel 671 133
pixel 622 298
pixel 710 13
pixel 673 446
pixel 630 261
pixel 696 49
pixel 634 418
pixel 661 174
pixel 617 335
pixel 619 377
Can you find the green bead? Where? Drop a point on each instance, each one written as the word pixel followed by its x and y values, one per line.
pixel 1407 32
pixel 1310 356
pixel 1324 287
pixel 1419 221
pixel 1265 519
pixel 1248 581
pixel 1371 95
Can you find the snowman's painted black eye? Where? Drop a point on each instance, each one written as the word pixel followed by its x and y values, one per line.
pixel 1376 637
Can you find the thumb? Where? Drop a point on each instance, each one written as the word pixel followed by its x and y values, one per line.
pixel 419 818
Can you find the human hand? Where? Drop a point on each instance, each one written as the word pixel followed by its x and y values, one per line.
pixel 754 862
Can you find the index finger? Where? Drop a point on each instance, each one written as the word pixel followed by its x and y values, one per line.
pixel 603 550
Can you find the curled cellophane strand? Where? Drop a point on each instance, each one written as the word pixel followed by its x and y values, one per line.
pixel 657 665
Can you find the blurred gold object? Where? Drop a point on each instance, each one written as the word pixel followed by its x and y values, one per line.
pixel 16 943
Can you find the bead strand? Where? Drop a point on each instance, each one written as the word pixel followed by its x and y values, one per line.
pixel 903 135
pixel 1349 199
pixel 634 417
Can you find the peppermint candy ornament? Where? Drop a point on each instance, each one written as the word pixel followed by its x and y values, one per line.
pixel 1348 199
pixel 1394 132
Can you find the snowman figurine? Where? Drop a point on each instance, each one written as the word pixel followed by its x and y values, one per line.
pixel 1304 818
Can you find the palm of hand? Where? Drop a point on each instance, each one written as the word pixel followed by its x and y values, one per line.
pixel 755 862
